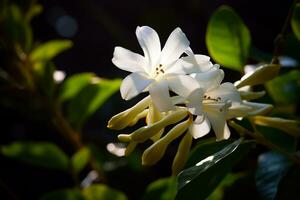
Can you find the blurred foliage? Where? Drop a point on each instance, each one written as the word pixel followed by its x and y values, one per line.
pixel 213 168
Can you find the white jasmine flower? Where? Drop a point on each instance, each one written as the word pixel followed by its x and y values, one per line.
pixel 159 70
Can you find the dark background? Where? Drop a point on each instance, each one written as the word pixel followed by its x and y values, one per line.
pixel 96 27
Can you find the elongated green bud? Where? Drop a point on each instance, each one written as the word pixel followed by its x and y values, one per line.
pixel 249 95
pixel 156 151
pixel 154 116
pixel 126 117
pixel 261 75
pixel 182 154
pixel 146 132
pixel 129 149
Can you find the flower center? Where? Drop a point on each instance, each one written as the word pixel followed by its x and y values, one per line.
pixel 159 70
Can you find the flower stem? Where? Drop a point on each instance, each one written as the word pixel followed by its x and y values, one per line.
pixel 280 38
pixel 261 140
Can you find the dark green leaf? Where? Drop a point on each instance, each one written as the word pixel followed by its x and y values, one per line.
pixel 278 138
pixel 285 89
pixel 89 99
pixel 73 84
pixel 205 148
pixel 199 181
pixel 80 159
pixel 162 189
pixel 46 51
pixel 102 192
pixel 67 194
pixel 33 11
pixel 295 22
pixel 42 154
pixel 270 169
pixel 228 38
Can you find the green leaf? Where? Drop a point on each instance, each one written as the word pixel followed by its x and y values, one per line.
pixel 33 11
pixel 285 89
pixel 89 99
pixel 42 154
pixel 46 51
pixel 271 168
pixel 80 159
pixel 199 181
pixel 162 189
pixel 74 84
pixel 278 138
pixel 67 194
pixel 205 148
pixel 228 39
pixel 295 21
pixel 102 192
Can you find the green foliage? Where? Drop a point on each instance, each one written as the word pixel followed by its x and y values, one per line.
pixel 199 181
pixel 46 51
pixel 80 159
pixel 228 38
pixel 67 194
pixel 89 99
pixel 162 189
pixel 271 168
pixel 295 22
pixel 42 154
pixel 285 89
pixel 102 192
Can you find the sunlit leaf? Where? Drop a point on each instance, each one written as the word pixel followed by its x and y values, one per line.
pixel 270 169
pixel 102 192
pixel 295 21
pixel 73 84
pixel 80 159
pixel 285 89
pixel 198 181
pixel 67 194
pixel 89 99
pixel 162 189
pixel 205 148
pixel 228 38
pixel 42 154
pixel 46 51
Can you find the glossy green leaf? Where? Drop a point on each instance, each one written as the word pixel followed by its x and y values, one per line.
pixel 228 39
pixel 89 99
pixel 46 51
pixel 295 21
pixel 162 189
pixel 285 89
pixel 42 154
pixel 198 181
pixel 74 84
pixel 80 159
pixel 67 194
pixel 271 168
pixel 102 192
pixel 205 148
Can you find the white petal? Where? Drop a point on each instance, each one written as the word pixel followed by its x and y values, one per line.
pixel 159 92
pixel 200 129
pixel 196 64
pixel 175 46
pixel 149 41
pixel 258 108
pixel 128 60
pixel 182 85
pixel 134 84
pixel 210 79
pixel 225 92
pixel 219 125
pixel 194 103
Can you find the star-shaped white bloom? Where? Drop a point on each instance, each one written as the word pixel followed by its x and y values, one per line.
pixel 159 70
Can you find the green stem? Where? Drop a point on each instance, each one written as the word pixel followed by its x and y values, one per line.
pixel 261 140
pixel 280 38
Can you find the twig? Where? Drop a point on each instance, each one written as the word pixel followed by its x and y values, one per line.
pixel 261 140
pixel 280 38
